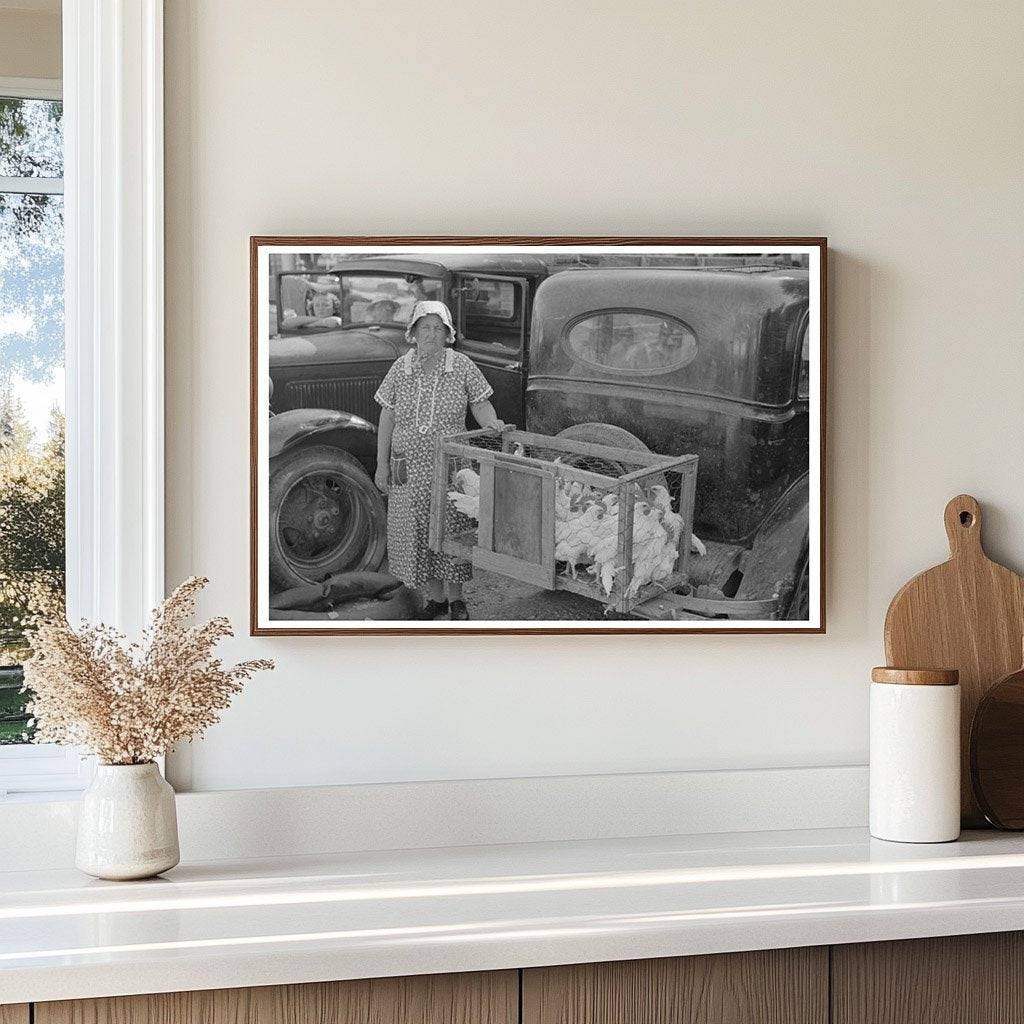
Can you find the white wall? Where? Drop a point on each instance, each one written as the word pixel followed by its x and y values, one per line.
pixel 895 129
pixel 30 39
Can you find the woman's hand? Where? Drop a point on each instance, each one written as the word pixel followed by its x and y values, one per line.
pixel 485 416
pixel 380 478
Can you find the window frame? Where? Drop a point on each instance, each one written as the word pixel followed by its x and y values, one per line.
pixel 32 88
pixel 113 86
pixel 496 350
pixel 112 90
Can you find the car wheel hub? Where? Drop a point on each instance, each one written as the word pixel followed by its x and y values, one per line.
pixel 311 520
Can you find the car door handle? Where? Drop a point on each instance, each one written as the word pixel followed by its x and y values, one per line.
pixel 513 366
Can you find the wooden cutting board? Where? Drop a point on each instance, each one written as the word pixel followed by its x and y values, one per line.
pixel 967 614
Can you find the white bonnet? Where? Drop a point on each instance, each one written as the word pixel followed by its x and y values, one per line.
pixel 426 307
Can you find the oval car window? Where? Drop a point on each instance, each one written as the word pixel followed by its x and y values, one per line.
pixel 632 342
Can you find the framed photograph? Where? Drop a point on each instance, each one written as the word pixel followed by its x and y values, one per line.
pixel 537 435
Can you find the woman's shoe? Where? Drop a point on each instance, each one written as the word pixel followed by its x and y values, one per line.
pixel 460 613
pixel 434 609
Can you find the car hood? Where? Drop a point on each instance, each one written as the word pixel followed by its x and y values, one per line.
pixel 352 345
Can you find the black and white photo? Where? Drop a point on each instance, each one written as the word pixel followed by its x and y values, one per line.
pixel 579 435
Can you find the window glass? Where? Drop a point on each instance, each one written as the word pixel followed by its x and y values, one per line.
pixel 803 387
pixel 493 300
pixel 31 138
pixel 31 388
pixel 632 342
pixel 316 302
pixel 491 312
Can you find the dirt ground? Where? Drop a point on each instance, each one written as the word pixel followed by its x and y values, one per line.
pixel 490 596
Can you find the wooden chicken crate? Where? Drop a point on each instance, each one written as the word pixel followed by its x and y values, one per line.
pixel 520 475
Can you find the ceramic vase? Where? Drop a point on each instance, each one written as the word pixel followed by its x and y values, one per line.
pixel 127 825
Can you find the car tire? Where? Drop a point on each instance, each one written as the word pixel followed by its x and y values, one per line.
pixel 312 487
pixel 612 436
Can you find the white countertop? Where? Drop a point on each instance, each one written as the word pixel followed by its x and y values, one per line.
pixel 261 922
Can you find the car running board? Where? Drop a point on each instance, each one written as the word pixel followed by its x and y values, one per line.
pixel 674 607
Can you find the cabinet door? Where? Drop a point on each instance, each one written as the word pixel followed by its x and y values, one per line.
pixel 961 979
pixel 14 1013
pixel 778 986
pixel 482 998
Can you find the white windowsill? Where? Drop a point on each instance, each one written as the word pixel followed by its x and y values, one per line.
pixel 43 771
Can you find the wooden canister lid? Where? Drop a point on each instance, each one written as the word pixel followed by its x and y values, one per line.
pixel 916 676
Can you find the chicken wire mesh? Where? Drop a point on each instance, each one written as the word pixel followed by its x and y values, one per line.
pixel 573 528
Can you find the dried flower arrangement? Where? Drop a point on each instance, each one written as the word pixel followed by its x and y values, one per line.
pixel 130 703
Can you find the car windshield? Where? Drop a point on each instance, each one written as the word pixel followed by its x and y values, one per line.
pixel 318 302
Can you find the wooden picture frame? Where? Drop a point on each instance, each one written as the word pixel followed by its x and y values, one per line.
pixel 785 398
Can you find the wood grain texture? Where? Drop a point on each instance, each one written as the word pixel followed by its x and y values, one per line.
pixel 967 614
pixel 14 1013
pixel 480 998
pixel 915 676
pixel 960 979
pixel 777 986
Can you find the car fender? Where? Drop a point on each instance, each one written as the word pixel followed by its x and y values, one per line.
pixel 779 552
pixel 296 426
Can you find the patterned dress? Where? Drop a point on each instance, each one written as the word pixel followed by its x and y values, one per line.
pixel 426 406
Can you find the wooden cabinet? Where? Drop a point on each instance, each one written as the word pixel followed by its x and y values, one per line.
pixel 962 979
pixel 776 986
pixel 490 998
pixel 969 979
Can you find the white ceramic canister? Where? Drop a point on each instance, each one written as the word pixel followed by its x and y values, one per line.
pixel 915 755
pixel 127 825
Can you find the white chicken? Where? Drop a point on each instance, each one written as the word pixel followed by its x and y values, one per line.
pixel 604 546
pixel 571 498
pixel 468 482
pixel 466 496
pixel 650 541
pixel 606 573
pixel 647 524
pixel 660 498
pixel 467 504
pixel 666 563
pixel 574 535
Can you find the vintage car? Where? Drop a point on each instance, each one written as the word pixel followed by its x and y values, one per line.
pixel 334 333
pixel 710 361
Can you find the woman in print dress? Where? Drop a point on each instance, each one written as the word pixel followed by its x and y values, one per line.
pixel 423 397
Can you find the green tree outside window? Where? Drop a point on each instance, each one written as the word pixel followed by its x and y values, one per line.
pixel 32 555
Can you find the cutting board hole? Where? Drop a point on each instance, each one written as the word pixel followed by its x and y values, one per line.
pixel 966 519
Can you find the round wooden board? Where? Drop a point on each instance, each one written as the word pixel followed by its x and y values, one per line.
pixel 997 752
